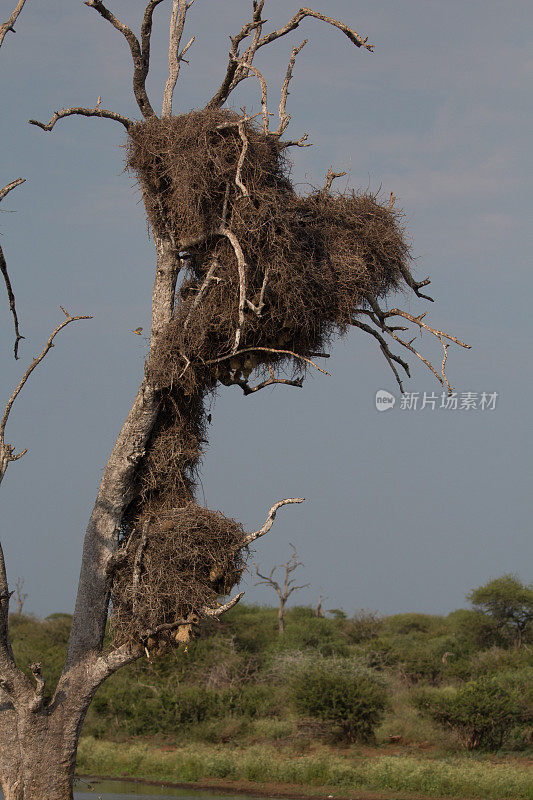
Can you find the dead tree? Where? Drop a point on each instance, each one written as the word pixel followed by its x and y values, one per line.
pixel 20 595
pixel 319 611
pixel 267 279
pixel 286 588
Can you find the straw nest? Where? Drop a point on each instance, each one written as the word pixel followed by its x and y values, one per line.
pixel 265 268
pixel 178 566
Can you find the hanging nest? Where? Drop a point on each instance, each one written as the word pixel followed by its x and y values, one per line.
pixel 174 567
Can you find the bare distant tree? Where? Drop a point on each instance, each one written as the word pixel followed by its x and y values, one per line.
pixel 252 298
pixel 319 611
pixel 287 585
pixel 20 596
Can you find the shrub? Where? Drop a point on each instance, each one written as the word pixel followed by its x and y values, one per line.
pixel 482 712
pixel 353 703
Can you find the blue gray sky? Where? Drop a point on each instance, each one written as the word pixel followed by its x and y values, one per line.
pixel 406 510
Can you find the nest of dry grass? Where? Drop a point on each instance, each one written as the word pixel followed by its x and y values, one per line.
pixel 174 566
pixel 312 261
pixel 301 268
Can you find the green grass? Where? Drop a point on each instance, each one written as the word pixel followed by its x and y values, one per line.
pixel 455 776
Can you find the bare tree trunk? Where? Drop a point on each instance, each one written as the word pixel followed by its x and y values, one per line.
pixel 39 742
pixel 281 619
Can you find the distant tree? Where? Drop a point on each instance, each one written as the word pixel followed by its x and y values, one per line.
pixel 20 596
pixel 284 589
pixel 509 602
pixel 319 611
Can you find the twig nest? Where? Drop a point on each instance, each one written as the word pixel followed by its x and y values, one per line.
pixel 191 556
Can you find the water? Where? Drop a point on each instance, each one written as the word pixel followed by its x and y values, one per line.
pixel 127 790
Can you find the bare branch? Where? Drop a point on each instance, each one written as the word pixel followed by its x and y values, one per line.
pixel 266 350
pixel 247 389
pixel 10 186
pixel 301 142
pixel 241 265
pixel 264 89
pixel 285 118
pixel 141 61
pixel 251 537
pixel 6 450
pixel 389 355
pixel 146 30
pixel 238 177
pixel 9 25
pixel 380 319
pixel 177 24
pixel 3 268
pixel 293 23
pixel 330 177
pixel 83 112
pixel 215 613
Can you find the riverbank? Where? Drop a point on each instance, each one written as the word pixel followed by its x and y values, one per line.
pixel 319 773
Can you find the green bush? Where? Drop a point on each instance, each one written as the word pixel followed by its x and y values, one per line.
pixel 353 703
pixel 483 712
pixel 475 628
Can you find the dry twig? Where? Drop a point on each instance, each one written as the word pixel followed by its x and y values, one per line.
pixel 3 269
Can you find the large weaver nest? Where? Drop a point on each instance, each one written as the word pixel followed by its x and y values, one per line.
pixel 269 277
pixel 182 562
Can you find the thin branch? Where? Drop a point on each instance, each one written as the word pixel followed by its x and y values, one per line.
pixel 141 61
pixel 266 350
pixel 9 25
pixel 293 23
pixel 380 319
pixel 264 89
pixel 285 118
pixel 251 537
pixel 10 186
pixel 3 268
pixel 83 112
pixel 238 172
pixel 389 355
pixel 247 389
pixel 6 450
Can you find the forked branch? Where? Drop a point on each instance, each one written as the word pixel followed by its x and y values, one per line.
pixel 7 453
pixel 140 55
pixel 237 69
pixel 380 319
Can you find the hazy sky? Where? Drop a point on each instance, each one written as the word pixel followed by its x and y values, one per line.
pixel 406 509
